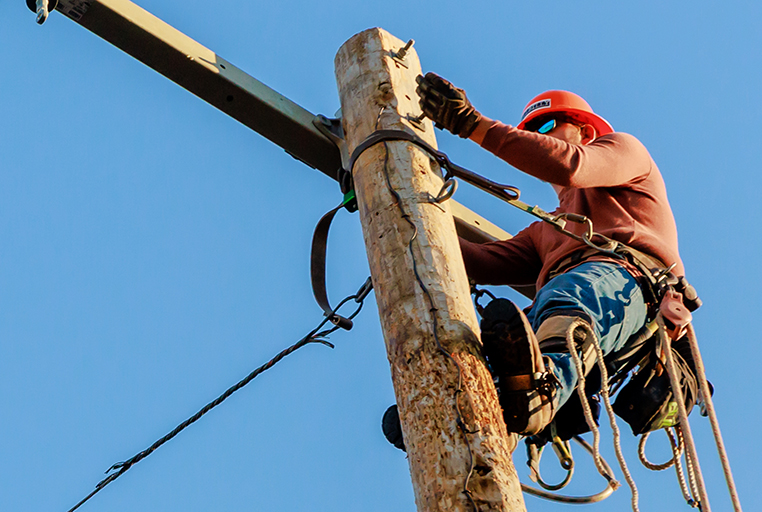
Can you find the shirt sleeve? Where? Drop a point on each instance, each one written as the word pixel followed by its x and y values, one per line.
pixel 513 262
pixel 612 160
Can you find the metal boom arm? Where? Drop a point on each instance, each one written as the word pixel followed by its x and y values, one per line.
pixel 201 71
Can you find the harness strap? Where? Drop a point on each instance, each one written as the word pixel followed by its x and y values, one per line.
pixel 317 266
pixel 504 192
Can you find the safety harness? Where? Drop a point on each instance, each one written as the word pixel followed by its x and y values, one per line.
pixel 667 378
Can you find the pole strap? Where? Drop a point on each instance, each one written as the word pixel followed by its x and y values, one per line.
pixel 507 193
pixel 318 262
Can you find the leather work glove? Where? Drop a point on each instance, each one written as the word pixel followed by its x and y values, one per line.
pixel 446 105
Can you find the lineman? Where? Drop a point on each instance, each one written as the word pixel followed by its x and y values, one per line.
pixel 608 177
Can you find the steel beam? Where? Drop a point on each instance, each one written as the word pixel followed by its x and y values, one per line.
pixel 201 71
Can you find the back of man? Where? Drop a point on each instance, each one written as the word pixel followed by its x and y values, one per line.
pixel 613 181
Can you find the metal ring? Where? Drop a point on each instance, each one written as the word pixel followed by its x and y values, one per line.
pixel 594 498
pixel 446 192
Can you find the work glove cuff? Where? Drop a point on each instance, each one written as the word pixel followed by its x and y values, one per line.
pixel 467 123
pixel 447 105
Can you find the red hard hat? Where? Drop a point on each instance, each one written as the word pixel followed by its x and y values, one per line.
pixel 570 104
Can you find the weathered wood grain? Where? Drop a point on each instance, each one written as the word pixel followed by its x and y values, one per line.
pixel 377 92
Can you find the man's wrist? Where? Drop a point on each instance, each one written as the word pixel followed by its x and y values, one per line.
pixel 485 123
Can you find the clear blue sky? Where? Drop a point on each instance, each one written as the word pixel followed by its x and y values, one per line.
pixel 153 251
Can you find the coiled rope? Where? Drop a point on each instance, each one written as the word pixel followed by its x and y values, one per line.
pixel 571 345
pixel 677 444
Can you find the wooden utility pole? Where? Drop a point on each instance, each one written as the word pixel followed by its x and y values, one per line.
pixel 377 90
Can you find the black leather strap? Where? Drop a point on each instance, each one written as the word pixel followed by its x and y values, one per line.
pixel 317 268
pixel 504 192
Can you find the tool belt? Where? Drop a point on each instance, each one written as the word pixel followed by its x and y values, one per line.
pixel 646 401
pixel 648 266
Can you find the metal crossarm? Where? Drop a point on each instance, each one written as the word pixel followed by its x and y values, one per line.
pixel 228 88
pixel 207 75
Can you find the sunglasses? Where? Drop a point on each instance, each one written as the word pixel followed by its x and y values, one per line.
pixel 545 128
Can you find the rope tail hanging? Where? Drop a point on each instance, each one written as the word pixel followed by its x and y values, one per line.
pixel 706 394
pixel 692 453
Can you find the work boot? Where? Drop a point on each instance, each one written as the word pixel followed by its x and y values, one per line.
pixel 526 388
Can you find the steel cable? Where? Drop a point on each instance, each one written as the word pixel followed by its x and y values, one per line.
pixel 314 336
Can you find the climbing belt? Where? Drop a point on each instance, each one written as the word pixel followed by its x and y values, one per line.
pixel 507 193
pixel 316 335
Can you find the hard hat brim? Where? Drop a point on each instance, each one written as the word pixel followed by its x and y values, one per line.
pixel 602 127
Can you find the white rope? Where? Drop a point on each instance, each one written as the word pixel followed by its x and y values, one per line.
pixel 707 397
pixel 691 493
pixel 606 402
pixel 612 417
pixel 677 451
pixel 691 453
pixel 677 445
pixel 586 406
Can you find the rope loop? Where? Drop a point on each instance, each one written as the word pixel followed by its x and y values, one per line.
pixel 572 347
pixel 677 451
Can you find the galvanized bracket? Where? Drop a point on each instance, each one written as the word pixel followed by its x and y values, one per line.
pixel 399 55
pixel 331 128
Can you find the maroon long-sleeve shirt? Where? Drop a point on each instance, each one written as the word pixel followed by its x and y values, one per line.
pixel 613 181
